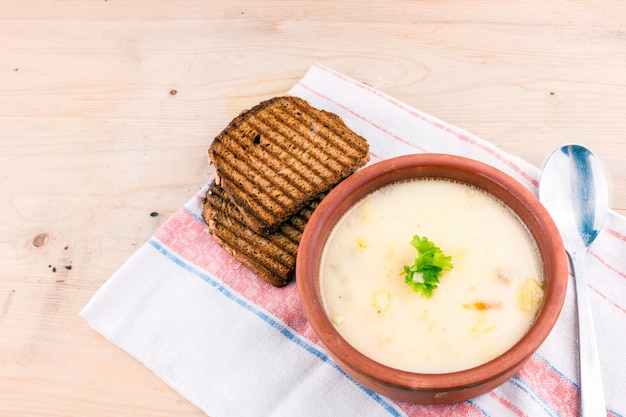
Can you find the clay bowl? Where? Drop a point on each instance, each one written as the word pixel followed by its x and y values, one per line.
pixel 443 388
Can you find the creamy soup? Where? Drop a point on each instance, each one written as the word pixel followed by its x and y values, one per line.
pixel 482 306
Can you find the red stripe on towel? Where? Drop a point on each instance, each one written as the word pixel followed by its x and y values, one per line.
pixel 507 404
pixel 559 393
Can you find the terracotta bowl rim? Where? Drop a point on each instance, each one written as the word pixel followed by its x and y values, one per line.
pixel 528 208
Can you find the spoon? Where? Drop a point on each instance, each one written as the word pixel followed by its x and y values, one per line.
pixel 574 190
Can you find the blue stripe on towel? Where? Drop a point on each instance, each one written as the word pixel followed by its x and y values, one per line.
pixel 272 321
pixel 479 408
pixel 524 387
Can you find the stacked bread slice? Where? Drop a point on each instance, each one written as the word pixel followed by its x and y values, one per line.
pixel 274 163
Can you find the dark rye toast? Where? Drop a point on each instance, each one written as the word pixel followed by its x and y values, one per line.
pixel 271 256
pixel 274 158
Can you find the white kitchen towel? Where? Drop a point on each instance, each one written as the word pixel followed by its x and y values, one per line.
pixel 235 346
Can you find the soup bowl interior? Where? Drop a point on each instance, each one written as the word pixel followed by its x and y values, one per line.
pixel 443 387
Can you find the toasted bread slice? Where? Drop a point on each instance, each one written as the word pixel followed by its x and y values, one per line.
pixel 271 256
pixel 273 159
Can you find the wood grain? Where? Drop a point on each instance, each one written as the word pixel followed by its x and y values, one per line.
pixel 108 107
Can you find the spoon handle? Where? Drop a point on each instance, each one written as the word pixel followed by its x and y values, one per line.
pixel 591 390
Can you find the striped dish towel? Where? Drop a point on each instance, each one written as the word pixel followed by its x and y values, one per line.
pixel 235 346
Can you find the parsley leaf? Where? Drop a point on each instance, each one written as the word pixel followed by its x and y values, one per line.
pixel 423 275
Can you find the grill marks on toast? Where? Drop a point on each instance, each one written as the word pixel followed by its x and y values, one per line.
pixel 279 141
pixel 325 134
pixel 273 256
pixel 239 185
pixel 280 154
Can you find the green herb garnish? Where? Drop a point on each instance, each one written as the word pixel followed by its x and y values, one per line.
pixel 423 275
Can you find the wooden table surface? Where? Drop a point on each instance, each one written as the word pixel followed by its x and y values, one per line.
pixel 107 108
